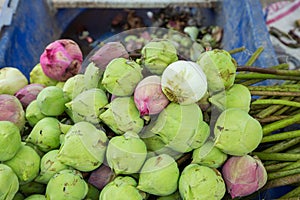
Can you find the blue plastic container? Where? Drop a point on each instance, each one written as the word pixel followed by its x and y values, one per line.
pixel 34 26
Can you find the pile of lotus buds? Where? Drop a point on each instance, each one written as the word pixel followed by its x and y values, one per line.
pixel 153 127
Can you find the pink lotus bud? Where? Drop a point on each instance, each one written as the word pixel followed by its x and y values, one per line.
pixel 244 175
pixel 107 53
pixel 29 93
pixel 11 110
pixel 148 96
pixel 61 59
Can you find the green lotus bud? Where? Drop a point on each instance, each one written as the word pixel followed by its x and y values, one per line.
pixel 209 155
pixel 37 75
pixel 192 31
pixel 51 100
pixel 9 183
pixel 92 76
pixel 32 187
pixel 231 98
pixel 236 132
pixel 180 127
pixel 93 193
pixel 200 182
pixel 66 184
pixel 45 134
pixel 219 67
pixel 49 166
pixel 195 51
pixel 33 113
pixel 159 175
pixel 83 147
pixel 157 55
pixel 10 140
pixel 126 153
pixel 122 116
pixel 19 196
pixel 87 106
pixel 36 197
pixel 60 84
pixel 174 196
pixel 11 80
pixel 121 188
pixel 121 76
pixel 26 164
pixel 74 86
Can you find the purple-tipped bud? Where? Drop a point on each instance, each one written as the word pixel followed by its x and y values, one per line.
pixel 61 59
pixel 244 175
pixel 107 53
pixel 11 110
pixel 29 93
pixel 148 96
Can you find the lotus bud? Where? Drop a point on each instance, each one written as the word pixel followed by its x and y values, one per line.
pixel 45 134
pixel 26 164
pixel 61 59
pixel 209 155
pixel 74 86
pixel 87 106
pixel 38 76
pixel 9 183
pixel 201 182
pixel 154 173
pixel 148 96
pixel 66 184
pixel 19 196
pixel 92 77
pixel 107 53
pixel 192 31
pixel 220 69
pixel 93 193
pixel 83 147
pixel 121 115
pixel 126 153
pixel 121 76
pixel 179 127
pixel 101 176
pixel 236 132
pixel 174 196
pixel 184 82
pixel 11 109
pixel 244 175
pixel 11 80
pixel 195 51
pixel 32 187
pixel 33 113
pixel 157 55
pixel 36 197
pixel 29 93
pixel 49 166
pixel 237 96
pixel 51 100
pixel 121 188
pixel 10 140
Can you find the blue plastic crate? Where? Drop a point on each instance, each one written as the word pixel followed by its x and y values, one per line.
pixel 34 26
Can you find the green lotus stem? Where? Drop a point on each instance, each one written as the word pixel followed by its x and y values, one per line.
pixel 251 81
pixel 269 128
pixel 278 88
pixel 254 75
pixel 277 101
pixel 277 156
pixel 271 118
pixel 293 194
pixel 282 110
pixel 237 50
pixel 255 55
pixel 277 166
pixel 281 136
pixel 279 147
pixel 282 72
pixel 292 165
pixel 274 93
pixel 294 150
pixel 286 180
pixel 279 174
pixel 271 109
